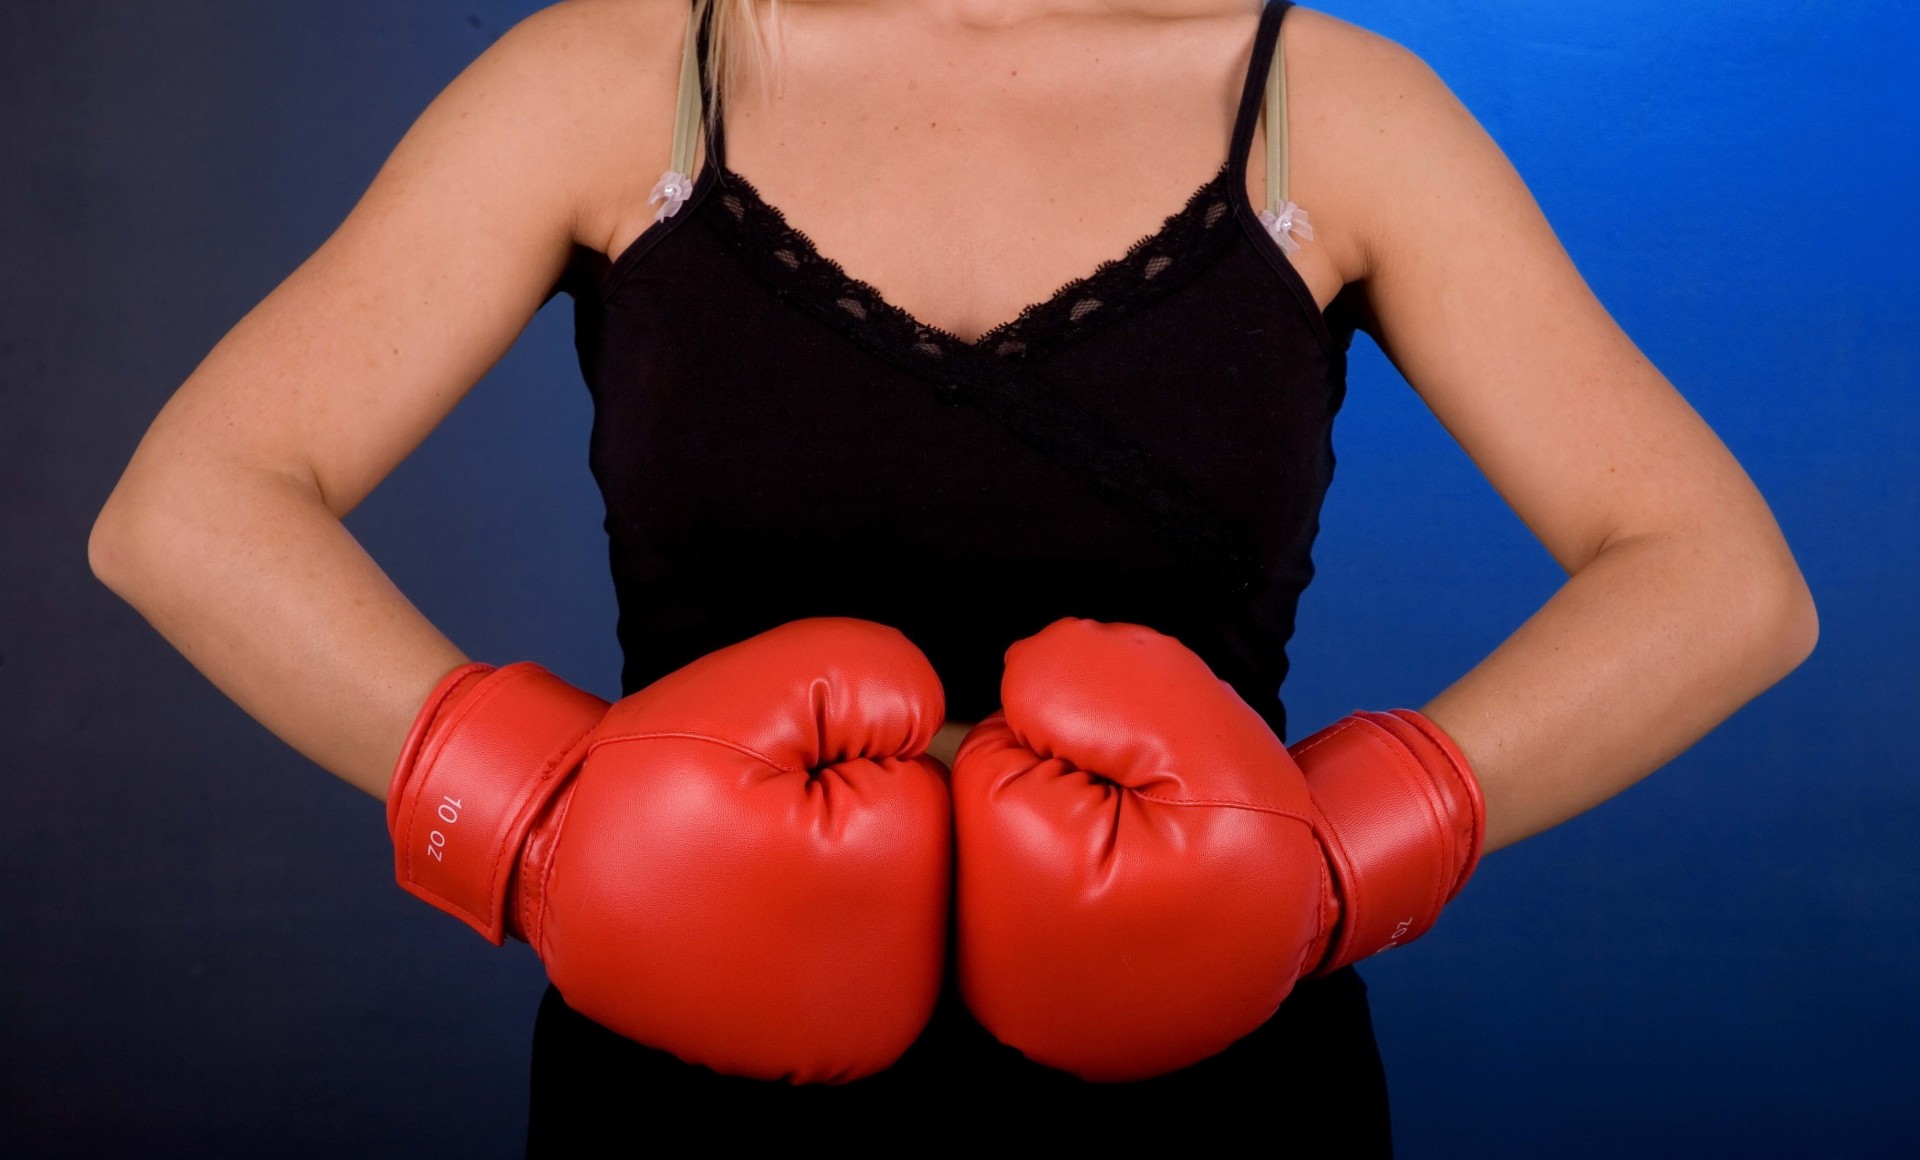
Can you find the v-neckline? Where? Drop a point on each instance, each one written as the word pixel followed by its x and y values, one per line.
pixel 794 266
pixel 1078 288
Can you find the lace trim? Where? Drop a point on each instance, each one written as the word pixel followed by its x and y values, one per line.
pixel 1187 240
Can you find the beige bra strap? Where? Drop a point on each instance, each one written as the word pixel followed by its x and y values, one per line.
pixel 686 111
pixel 1276 117
pixel 1282 218
pixel 676 184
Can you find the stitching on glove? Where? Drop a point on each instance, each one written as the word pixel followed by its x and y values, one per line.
pixel 1255 807
pixel 429 750
pixel 1355 895
pixel 486 688
pixel 1324 736
pixel 531 799
pixel 1469 788
pixel 1416 773
pixel 1340 938
pixel 537 938
pixel 721 741
pixel 406 766
pixel 1329 923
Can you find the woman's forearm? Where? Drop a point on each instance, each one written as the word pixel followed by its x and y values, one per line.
pixel 1640 653
pixel 250 576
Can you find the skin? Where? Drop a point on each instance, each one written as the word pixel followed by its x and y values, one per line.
pixel 1682 600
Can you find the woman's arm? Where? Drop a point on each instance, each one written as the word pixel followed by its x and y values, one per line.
pixel 225 529
pixel 1683 601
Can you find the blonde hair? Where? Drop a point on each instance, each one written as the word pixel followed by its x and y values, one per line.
pixel 737 47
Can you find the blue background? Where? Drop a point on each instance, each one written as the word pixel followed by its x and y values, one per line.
pixel 204 949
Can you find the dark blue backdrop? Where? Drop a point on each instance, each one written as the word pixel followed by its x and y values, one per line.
pixel 204 948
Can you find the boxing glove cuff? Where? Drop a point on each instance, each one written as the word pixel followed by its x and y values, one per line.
pixel 487 751
pixel 1404 822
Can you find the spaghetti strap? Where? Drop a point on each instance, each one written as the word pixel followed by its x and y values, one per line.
pixel 710 115
pixel 1266 35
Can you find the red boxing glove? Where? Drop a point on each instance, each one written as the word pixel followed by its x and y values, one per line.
pixel 1144 871
pixel 1402 825
pixel 745 863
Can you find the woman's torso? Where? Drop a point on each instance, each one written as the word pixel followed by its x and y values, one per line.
pixel 792 425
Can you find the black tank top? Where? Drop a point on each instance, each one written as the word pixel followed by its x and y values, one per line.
pixel 1151 443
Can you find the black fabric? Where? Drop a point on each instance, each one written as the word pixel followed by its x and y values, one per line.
pixel 1307 1083
pixel 1152 443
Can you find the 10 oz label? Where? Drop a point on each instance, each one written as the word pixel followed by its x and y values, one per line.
pixel 448 812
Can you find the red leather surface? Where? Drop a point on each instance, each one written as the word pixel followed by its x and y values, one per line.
pixel 1144 871
pixel 751 869
pixel 1404 823
pixel 1138 878
pixel 486 751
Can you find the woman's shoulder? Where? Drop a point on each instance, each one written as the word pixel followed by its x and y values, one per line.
pixel 604 74
pixel 1370 126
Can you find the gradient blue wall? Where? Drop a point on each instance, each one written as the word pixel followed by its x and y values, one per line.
pixel 205 953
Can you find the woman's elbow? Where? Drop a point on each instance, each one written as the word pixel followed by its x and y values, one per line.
pixel 110 542
pixel 1788 622
pixel 127 535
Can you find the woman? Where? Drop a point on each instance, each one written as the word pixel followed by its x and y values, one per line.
pixel 962 319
